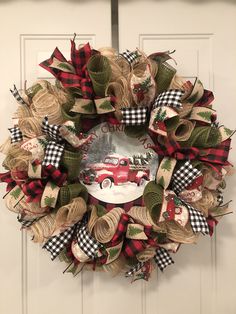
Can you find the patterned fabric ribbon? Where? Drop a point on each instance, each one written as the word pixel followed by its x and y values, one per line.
pixel 134 116
pixel 170 98
pixel 33 189
pixel 51 130
pixel 98 105
pixel 218 154
pixel 7 178
pixel 162 258
pixel 54 150
pixel 184 176
pixel 57 243
pixel 17 96
pixel 130 56
pixel 16 134
pixel 141 270
pixel 74 73
pixel 197 220
pixel 88 244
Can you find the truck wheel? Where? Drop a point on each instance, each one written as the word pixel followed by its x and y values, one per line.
pixel 141 182
pixel 106 183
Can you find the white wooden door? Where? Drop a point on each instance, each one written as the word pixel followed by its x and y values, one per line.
pixel 202 279
pixel 30 30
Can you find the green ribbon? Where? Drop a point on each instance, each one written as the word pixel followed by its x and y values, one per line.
pixel 70 191
pixel 99 70
pixel 71 161
pixel 72 116
pixel 153 198
pixel 164 76
pixel 203 137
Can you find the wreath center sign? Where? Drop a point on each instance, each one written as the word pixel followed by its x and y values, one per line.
pixel 115 173
pixel 118 163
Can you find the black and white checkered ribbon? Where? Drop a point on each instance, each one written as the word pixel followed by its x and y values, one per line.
pixel 184 176
pixel 52 130
pixel 86 242
pixel 134 116
pixel 53 154
pixel 57 243
pixel 162 258
pixel 197 220
pixel 130 56
pixel 16 134
pixel 169 98
pixel 220 198
pixel 133 270
pixel 17 96
pixel 25 223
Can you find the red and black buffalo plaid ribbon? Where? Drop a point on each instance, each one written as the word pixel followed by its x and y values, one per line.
pixel 121 229
pixel 80 77
pixel 217 155
pixel 34 188
pixel 212 222
pixel 206 99
pixel 6 177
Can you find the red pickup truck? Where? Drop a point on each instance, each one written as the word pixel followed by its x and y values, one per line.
pixel 114 169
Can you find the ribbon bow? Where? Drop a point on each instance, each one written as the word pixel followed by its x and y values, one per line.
pixel 33 189
pixel 218 154
pixel 72 73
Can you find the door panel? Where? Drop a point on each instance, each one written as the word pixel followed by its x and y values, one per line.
pixel 201 280
pixel 30 30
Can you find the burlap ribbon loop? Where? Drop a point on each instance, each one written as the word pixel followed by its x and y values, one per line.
pixel 69 214
pixel 106 225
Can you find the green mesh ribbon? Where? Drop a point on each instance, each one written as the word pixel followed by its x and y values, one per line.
pixel 32 91
pixel 99 70
pixel 153 197
pixel 71 161
pixel 164 76
pixel 72 116
pixel 70 191
pixel 203 136
pixel 135 131
pixel 171 123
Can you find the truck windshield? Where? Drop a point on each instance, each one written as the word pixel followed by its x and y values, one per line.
pixel 110 160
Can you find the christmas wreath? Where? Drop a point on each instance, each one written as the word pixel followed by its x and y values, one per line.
pixel 118 163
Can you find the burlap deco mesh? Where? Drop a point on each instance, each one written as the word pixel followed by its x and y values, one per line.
pixel 5 147
pixel 43 228
pixel 177 233
pixel 17 158
pixel 69 214
pixel 141 215
pixel 45 103
pixel 30 127
pixel 115 267
pixel 106 226
pixel 146 255
pixel 183 130
pixel 208 201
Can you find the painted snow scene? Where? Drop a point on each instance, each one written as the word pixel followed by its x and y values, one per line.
pixel 115 168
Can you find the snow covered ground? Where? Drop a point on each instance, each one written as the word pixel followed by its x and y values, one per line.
pixel 123 193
